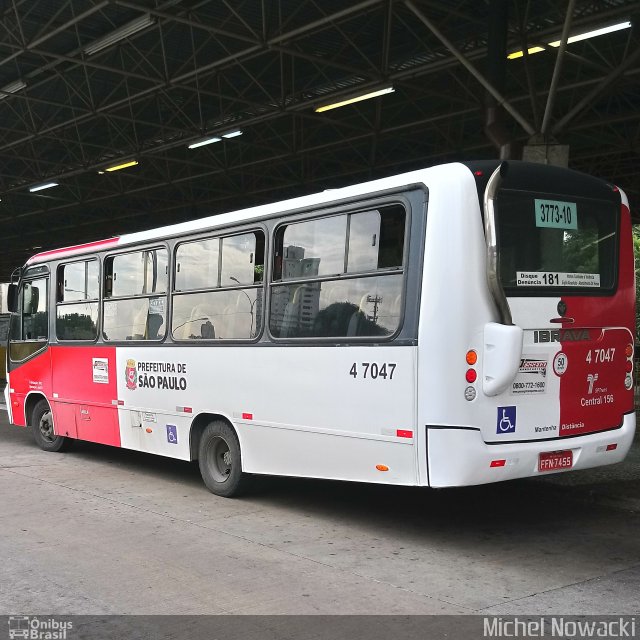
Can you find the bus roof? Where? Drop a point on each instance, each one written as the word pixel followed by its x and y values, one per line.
pixel 438 174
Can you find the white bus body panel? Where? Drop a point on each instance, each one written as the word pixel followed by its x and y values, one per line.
pixel 468 457
pixel 297 410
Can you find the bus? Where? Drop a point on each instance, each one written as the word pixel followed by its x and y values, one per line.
pixel 462 324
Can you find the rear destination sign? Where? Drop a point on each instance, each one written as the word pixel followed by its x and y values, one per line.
pixel 555 214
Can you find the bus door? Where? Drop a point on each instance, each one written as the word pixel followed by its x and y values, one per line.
pixel 28 362
pixel 84 375
pixel 568 280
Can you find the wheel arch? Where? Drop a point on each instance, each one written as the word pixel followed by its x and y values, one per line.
pixel 32 399
pixel 198 425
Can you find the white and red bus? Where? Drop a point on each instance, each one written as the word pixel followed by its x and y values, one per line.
pixel 462 324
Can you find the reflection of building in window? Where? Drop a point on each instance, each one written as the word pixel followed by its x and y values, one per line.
pixel 295 313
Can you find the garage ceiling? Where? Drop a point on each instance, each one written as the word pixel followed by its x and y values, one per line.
pixel 78 95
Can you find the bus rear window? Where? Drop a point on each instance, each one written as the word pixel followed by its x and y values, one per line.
pixel 549 242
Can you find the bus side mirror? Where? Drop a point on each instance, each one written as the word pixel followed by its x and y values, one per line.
pixel 501 360
pixel 12 298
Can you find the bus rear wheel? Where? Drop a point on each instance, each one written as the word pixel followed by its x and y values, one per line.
pixel 42 429
pixel 220 461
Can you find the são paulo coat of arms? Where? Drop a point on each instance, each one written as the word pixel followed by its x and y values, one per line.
pixel 131 374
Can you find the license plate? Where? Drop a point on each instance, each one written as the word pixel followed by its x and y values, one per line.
pixel 554 460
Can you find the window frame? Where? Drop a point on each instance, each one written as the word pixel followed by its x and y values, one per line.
pixel 403 270
pixel 104 298
pixel 220 235
pixel 547 291
pixel 59 303
pixel 28 278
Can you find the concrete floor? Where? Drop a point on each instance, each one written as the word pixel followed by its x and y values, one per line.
pixel 101 530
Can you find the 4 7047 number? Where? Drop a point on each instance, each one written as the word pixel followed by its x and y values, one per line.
pixel 373 370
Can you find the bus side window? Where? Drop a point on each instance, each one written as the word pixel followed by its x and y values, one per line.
pixel 30 325
pixel 78 289
pixel 134 290
pixel 226 297
pixel 351 268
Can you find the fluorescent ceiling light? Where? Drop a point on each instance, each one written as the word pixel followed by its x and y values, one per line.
pixel 202 143
pixel 40 187
pixel 595 33
pixel 124 165
pixel 519 54
pixel 577 38
pixel 232 134
pixel 120 33
pixel 12 87
pixel 364 96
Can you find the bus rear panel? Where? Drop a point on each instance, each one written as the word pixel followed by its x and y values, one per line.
pixel 564 264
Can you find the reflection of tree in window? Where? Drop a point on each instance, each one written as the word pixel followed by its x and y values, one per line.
pixel 76 326
pixel 345 319
pixel 580 251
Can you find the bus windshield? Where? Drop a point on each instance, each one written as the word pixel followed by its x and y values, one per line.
pixel 553 243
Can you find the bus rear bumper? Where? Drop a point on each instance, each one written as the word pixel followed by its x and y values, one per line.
pixel 460 457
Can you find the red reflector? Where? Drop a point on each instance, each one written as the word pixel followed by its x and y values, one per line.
pixel 471 375
pixel 188 410
pixel 612 447
pixel 498 463
pixel 247 416
pixel 402 433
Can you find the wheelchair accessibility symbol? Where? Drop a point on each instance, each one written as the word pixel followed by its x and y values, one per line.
pixel 506 421
pixel 172 434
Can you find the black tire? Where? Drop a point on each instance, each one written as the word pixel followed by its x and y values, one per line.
pixel 42 429
pixel 220 461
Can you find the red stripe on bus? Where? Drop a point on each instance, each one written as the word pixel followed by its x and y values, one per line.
pixel 78 248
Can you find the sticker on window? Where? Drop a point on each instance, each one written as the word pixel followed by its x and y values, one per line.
pixel 556 279
pixel 555 214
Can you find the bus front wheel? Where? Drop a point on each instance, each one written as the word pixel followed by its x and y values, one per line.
pixel 42 429
pixel 220 461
